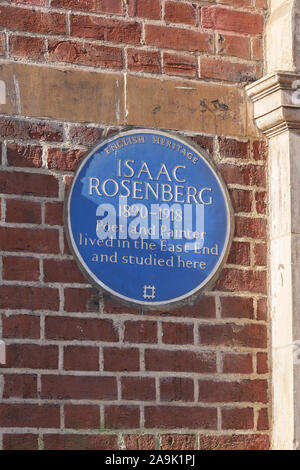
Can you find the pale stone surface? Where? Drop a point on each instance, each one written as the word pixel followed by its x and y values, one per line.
pixel 62 94
pixel 179 104
pixel 279 35
pixel 252 129
pixel 277 114
pixel 280 206
pixel 273 97
pixel 283 36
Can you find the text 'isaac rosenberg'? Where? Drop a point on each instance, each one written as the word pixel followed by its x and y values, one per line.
pixel 155 184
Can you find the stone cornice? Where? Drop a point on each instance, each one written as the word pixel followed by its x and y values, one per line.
pixel 276 102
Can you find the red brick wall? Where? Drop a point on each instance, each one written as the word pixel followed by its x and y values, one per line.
pixel 83 371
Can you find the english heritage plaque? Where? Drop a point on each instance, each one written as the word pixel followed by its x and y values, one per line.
pixel 148 218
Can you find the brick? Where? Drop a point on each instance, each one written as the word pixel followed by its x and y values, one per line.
pixel 175 64
pixel 231 20
pixel 262 363
pixel 263 420
pixel 32 356
pixel 30 184
pixel 205 142
pixel 246 174
pixel 176 12
pixel 138 388
pixel 237 418
pixel 85 54
pixel 2 45
pixel 237 307
pixel 20 441
pixel 80 442
pixel 67 181
pixel 21 326
pixel 262 311
pixel 260 254
pixel 176 389
pixel 237 3
pixel 20 386
pixel 26 239
pixel 88 329
pixel 170 417
pixel 81 358
pixel 235 46
pixel 140 332
pixel 261 4
pixel 79 387
pixel 232 148
pixel 113 307
pixel 81 300
pixel 237 363
pixel 105 29
pixel 100 6
pixel 44 131
pixel 233 280
pixel 84 135
pixel 19 211
pixel 24 156
pixel 261 202
pixel 32 20
pixel 111 131
pixel 31 298
pixel 149 9
pixel 62 271
pixel 250 227
pixel 64 160
pixel 30 2
pixel 82 417
pixel 260 150
pixel 177 333
pixel 143 61
pixel 241 200
pixel 122 417
pixel 223 69
pixel 239 254
pixel 232 335
pixel 54 213
pixel 235 442
pixel 254 391
pixel 121 359
pixel 178 38
pixel 17 268
pixel 204 308
pixel 178 442
pixel 29 416
pixel 180 361
pixel 257 46
pixel 137 442
pixel 26 47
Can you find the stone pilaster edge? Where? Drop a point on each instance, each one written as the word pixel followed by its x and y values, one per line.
pixel 276 102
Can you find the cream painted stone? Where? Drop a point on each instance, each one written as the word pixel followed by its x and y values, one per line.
pixel 274 103
pixel 279 38
pixel 62 94
pixel 251 128
pixel 280 202
pixel 295 184
pixel 278 116
pixel 283 36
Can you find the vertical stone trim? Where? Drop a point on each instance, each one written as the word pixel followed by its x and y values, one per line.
pixel 277 115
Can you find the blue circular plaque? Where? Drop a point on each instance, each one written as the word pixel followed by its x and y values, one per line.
pixel 148 218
